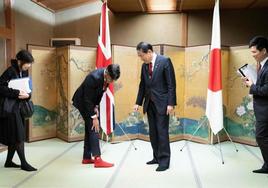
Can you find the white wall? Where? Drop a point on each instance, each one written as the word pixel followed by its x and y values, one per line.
pixel 37 25
pixel 78 13
pixel 125 29
pixel 34 24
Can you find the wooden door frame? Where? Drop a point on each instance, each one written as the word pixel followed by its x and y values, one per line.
pixel 8 31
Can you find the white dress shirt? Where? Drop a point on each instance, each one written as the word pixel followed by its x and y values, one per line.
pixel 153 60
pixel 263 62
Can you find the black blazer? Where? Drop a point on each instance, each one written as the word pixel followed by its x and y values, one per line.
pixel 10 73
pixel 12 126
pixel 90 92
pixel 260 94
pixel 161 88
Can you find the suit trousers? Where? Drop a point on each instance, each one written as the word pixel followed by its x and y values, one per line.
pixel 91 139
pixel 262 140
pixel 159 135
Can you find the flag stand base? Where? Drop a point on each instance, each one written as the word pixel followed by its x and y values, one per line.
pixel 131 141
pixel 219 142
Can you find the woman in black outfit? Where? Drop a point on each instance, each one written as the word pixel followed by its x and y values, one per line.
pixel 12 129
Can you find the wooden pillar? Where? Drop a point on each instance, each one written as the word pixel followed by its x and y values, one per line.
pixel 8 32
pixel 184 29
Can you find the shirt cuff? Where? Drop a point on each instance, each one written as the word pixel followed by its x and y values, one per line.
pixel 94 116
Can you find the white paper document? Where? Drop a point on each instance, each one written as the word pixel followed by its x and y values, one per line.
pixel 249 72
pixel 20 84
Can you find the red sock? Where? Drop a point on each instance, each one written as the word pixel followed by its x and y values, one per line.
pixel 87 161
pixel 99 163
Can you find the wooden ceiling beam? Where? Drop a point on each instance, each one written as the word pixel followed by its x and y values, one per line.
pixel 42 5
pixel 40 0
pixel 154 6
pixel 56 5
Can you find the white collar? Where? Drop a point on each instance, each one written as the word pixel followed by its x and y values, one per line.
pixel 263 61
pixel 154 59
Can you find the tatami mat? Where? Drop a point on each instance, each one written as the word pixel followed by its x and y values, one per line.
pixel 197 166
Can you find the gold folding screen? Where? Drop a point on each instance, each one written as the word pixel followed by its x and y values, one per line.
pixel 56 74
pixel 177 56
pixel 43 72
pixel 125 89
pixel 71 64
pixel 191 66
pixel 240 115
pixel 74 64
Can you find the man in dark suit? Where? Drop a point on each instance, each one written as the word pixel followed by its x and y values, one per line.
pixel 158 90
pixel 86 99
pixel 259 50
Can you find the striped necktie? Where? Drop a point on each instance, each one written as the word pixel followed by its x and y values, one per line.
pixel 150 69
pixel 258 67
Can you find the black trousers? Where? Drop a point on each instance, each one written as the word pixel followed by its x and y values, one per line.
pixel 159 135
pixel 262 140
pixel 91 139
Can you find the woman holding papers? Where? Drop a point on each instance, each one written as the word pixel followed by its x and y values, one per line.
pixel 12 125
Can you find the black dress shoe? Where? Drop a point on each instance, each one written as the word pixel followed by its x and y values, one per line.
pixel 28 168
pixel 152 162
pixel 11 165
pixel 161 168
pixel 261 171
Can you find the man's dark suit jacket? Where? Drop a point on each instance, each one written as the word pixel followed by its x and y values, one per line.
pixel 260 94
pixel 90 92
pixel 161 88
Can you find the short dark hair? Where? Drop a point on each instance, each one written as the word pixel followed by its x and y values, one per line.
pixel 260 42
pixel 144 47
pixel 24 56
pixel 114 71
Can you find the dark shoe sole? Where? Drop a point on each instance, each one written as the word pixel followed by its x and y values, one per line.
pixel 152 162
pixel 260 171
pixel 11 165
pixel 161 168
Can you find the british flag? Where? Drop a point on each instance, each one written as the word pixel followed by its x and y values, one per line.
pixel 103 60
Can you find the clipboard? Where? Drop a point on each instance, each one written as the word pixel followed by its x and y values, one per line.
pixel 240 70
pixel 248 71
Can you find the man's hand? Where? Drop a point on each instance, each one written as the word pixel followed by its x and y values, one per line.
pixel 248 82
pixel 170 110
pixel 96 110
pixel 136 107
pixel 96 125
